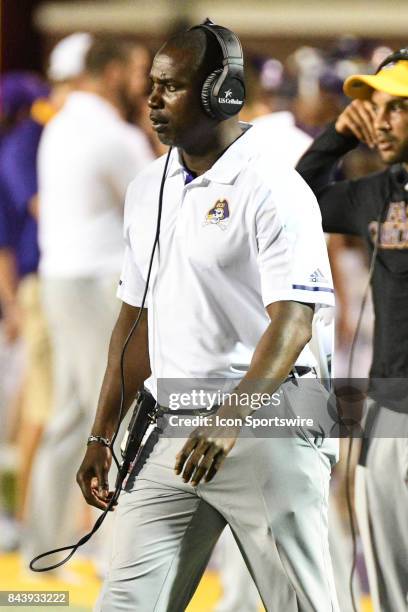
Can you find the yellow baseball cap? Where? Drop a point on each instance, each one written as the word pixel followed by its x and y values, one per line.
pixel 392 78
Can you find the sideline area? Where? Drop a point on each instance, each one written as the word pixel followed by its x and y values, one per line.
pixel 83 586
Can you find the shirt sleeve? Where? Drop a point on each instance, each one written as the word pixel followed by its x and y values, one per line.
pixel 292 254
pixel 132 284
pixel 341 211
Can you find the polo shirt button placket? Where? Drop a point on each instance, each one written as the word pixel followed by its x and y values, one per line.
pixel 182 212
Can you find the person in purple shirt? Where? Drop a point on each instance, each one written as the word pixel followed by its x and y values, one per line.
pixel 19 258
pixel 20 133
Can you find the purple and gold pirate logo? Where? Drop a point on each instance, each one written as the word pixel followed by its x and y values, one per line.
pixel 218 214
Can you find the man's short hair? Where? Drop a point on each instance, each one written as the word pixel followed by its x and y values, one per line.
pixel 106 49
pixel 203 44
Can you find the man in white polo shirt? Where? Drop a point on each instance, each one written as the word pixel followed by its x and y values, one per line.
pixel 234 285
pixel 88 155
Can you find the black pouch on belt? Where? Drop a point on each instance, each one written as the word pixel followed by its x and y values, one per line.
pixel 144 415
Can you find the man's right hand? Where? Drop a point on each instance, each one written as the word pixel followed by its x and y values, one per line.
pixel 357 120
pixel 92 476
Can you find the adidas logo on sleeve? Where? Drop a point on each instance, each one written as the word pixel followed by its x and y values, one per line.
pixel 318 277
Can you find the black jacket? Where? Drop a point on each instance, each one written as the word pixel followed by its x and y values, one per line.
pixel 356 207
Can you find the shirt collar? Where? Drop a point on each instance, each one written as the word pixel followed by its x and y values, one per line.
pixel 227 167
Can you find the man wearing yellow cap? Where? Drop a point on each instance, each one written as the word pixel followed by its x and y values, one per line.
pixel 375 207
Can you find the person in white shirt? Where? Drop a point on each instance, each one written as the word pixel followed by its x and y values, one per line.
pixel 278 134
pixel 88 155
pixel 284 143
pixel 231 297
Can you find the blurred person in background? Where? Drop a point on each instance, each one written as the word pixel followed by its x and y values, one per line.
pixel 319 74
pixel 28 103
pixel 272 92
pixel 88 155
pixel 20 94
pixel 375 207
pixel 268 99
pixel 20 138
pixel 276 93
pixel 66 67
pixel 138 111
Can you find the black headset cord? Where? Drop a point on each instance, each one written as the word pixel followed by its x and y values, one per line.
pixel 122 469
pixel 349 501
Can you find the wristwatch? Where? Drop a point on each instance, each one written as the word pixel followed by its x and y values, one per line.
pixel 99 439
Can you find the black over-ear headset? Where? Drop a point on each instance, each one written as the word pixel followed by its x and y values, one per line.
pixel 397 56
pixel 223 91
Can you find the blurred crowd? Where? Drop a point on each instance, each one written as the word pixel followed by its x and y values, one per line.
pixel 69 145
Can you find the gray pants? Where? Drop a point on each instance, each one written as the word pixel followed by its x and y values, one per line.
pixel 80 314
pixel 239 592
pixel 274 495
pixel 382 511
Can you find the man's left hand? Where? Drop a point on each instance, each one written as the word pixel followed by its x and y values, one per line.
pixel 206 448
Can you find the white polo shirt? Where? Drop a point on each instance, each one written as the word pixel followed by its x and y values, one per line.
pixel 278 134
pixel 87 157
pixel 284 143
pixel 235 239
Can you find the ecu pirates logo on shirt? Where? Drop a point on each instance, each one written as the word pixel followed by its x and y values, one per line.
pixel 218 214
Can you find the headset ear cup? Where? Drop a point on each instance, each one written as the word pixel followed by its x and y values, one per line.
pixel 206 93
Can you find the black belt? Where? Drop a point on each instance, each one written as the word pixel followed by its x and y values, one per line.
pixel 187 411
pixel 297 372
